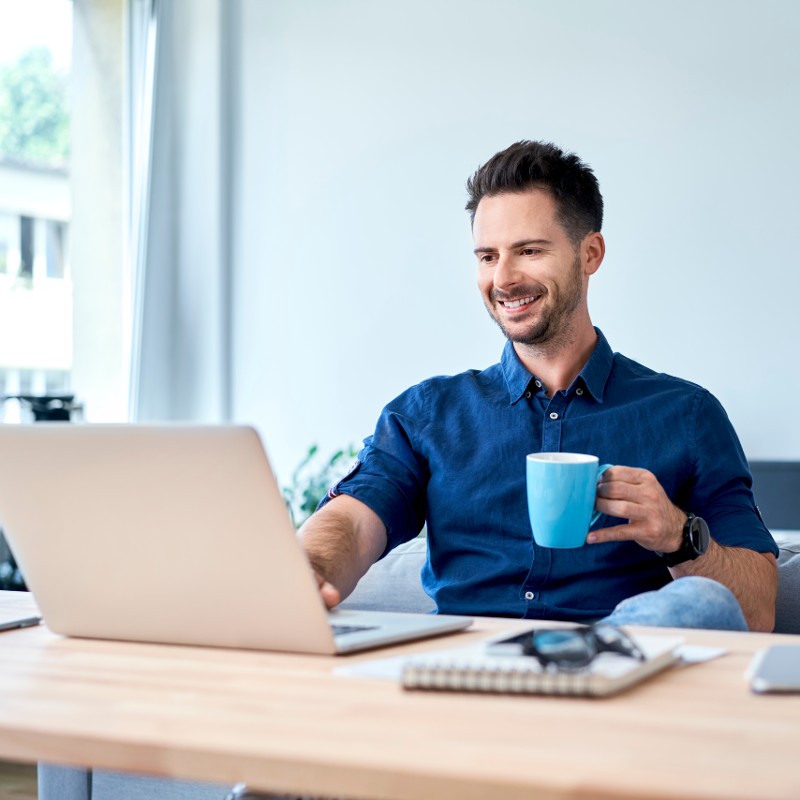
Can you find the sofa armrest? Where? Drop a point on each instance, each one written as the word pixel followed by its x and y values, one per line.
pixel 787 608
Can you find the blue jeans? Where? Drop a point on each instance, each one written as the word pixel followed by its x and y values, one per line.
pixel 690 602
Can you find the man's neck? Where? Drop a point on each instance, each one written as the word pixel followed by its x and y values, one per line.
pixel 558 365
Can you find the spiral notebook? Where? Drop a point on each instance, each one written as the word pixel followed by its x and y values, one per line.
pixel 608 674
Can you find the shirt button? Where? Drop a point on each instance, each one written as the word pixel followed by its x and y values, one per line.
pixel 579 391
pixel 538 384
pixel 527 395
pixel 530 596
pixel 553 415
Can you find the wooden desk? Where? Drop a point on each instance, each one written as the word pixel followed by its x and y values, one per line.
pixel 286 723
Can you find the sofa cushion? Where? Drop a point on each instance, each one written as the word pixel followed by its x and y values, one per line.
pixel 393 583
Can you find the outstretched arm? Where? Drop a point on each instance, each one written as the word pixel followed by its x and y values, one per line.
pixel 657 524
pixel 342 540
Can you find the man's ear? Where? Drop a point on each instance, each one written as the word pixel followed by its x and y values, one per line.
pixel 592 249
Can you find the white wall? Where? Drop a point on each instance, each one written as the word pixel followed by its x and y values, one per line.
pixel 360 122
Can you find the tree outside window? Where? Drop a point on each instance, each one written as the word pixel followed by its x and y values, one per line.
pixel 34 121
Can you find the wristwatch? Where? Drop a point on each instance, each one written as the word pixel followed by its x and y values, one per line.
pixel 695 542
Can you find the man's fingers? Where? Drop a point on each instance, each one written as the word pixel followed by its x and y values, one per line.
pixel 621 509
pixel 637 496
pixel 617 533
pixel 330 594
pixel 624 474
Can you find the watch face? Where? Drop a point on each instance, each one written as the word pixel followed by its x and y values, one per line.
pixel 696 538
pixel 699 535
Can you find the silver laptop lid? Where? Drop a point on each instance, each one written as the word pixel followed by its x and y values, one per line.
pixel 168 533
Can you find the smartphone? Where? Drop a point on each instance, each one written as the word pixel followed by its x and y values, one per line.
pixel 23 622
pixel 777 670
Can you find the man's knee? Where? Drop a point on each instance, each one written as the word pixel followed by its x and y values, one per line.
pixel 690 602
pixel 714 603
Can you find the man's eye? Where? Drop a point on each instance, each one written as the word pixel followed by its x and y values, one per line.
pixel 487 258
pixel 530 251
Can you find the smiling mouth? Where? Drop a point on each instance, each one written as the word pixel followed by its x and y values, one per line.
pixel 519 302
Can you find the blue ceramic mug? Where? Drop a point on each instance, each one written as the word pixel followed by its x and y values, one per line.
pixel 562 488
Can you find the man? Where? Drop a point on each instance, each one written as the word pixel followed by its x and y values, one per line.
pixel 451 451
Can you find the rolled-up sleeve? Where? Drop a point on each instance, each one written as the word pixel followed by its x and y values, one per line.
pixel 391 475
pixel 722 493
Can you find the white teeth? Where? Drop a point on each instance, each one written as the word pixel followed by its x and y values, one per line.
pixel 518 303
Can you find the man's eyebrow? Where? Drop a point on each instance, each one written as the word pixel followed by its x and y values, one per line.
pixel 528 242
pixel 516 245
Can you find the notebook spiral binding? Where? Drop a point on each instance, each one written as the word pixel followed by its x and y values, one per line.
pixel 447 676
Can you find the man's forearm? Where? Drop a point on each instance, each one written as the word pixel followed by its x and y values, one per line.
pixel 342 540
pixel 751 576
pixel 656 523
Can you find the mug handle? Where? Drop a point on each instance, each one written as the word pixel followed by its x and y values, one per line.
pixel 600 470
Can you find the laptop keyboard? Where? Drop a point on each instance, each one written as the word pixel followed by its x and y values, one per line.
pixel 341 630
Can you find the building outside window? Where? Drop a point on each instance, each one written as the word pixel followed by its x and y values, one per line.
pixel 64 277
pixel 36 292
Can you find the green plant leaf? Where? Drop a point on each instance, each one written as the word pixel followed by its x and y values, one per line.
pixel 312 478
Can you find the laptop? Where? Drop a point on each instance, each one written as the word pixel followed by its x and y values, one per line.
pixel 175 534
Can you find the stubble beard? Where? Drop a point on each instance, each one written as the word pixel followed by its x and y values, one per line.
pixel 554 328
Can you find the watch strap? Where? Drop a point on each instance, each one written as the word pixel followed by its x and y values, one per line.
pixel 688 551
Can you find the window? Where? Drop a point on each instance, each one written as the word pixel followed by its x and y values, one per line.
pixel 63 292
pixel 35 199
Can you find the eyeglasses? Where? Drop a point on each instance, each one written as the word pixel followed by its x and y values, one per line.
pixel 576 648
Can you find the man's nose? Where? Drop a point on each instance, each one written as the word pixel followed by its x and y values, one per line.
pixel 506 272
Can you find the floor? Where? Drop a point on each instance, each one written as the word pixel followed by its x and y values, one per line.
pixel 17 781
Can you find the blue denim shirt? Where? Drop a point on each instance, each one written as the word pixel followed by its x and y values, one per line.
pixel 451 452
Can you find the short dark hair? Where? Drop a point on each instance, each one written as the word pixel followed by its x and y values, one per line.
pixel 531 165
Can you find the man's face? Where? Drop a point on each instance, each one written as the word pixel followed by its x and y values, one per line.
pixel 529 272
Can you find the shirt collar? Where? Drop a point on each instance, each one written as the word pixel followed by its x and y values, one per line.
pixel 593 376
pixel 516 375
pixel 597 369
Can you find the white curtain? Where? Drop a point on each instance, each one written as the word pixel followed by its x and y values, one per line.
pixel 181 209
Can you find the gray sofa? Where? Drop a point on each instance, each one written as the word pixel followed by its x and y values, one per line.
pixel 392 583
